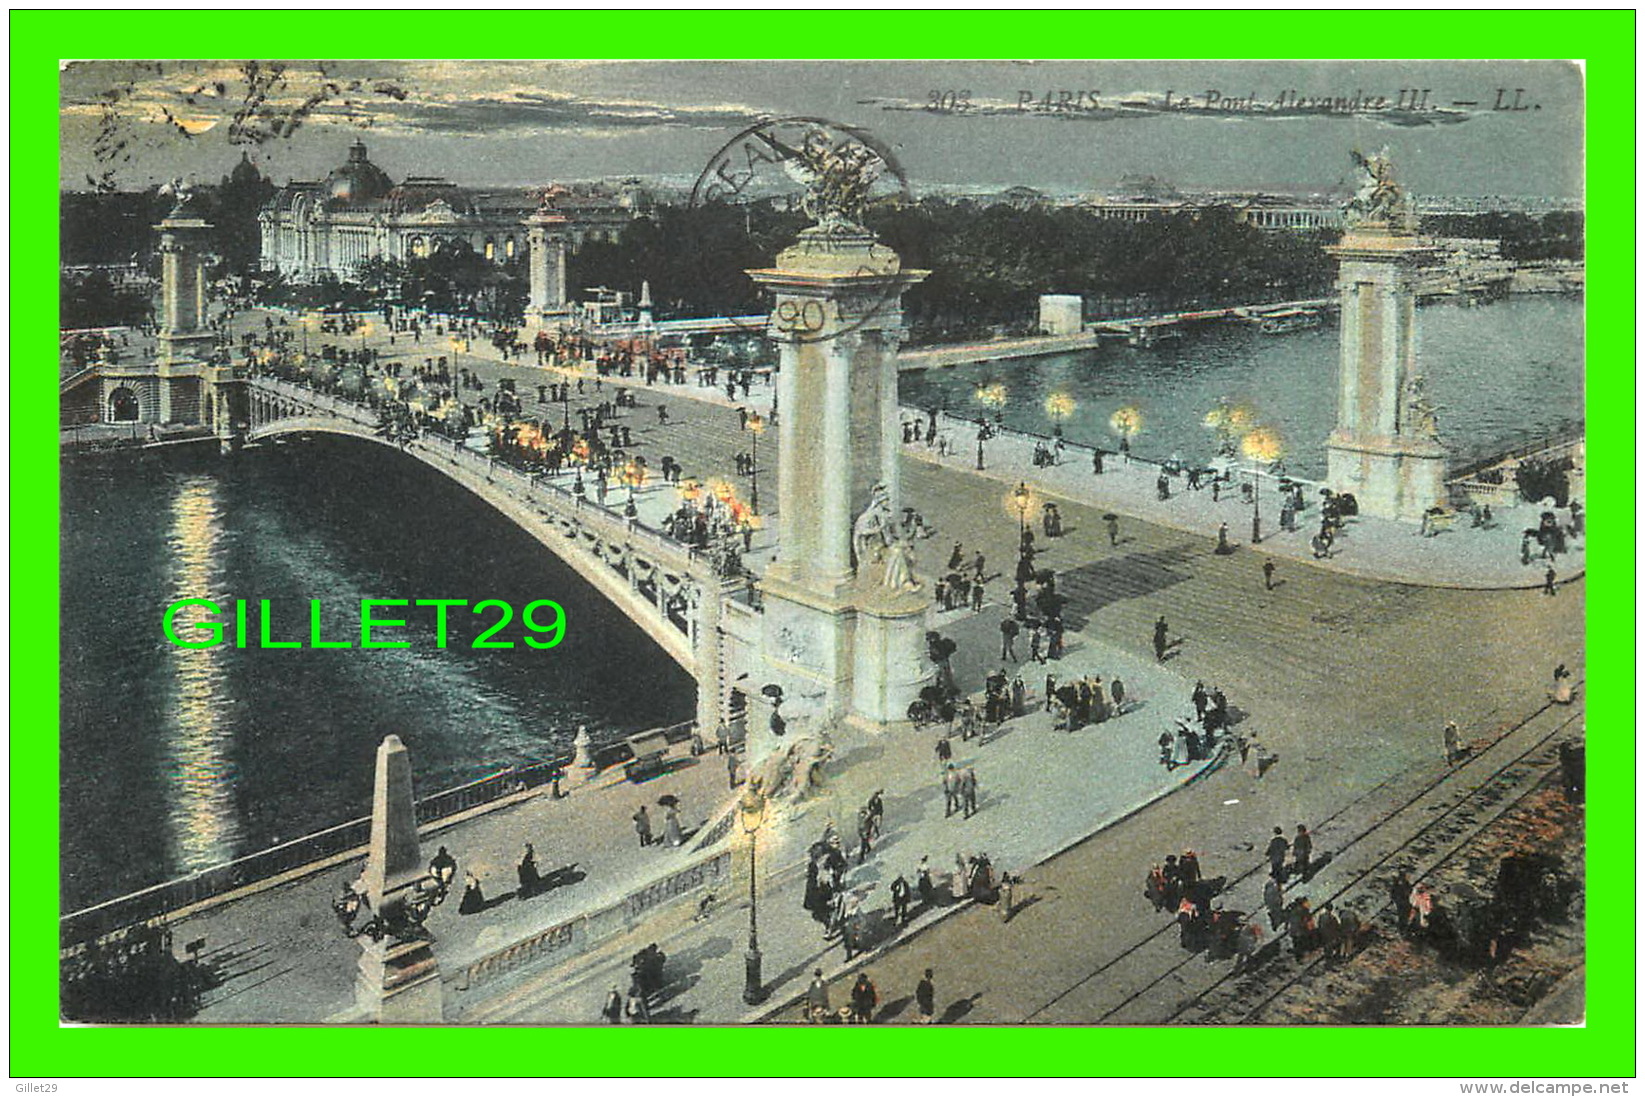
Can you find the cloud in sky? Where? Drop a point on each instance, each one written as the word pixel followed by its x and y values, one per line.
pixel 127 124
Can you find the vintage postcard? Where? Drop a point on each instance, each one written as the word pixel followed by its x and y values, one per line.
pixel 820 543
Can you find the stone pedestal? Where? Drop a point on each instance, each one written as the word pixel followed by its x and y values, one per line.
pixel 399 979
pixel 399 983
pixel 1385 449
pixel 838 643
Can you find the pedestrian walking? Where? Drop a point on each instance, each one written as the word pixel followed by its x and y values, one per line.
pixel 1247 940
pixel 1113 523
pixel 901 894
pixel 1453 743
pixel 951 790
pixel 1267 575
pixel 816 999
pixel 1278 847
pixel 976 596
pixel 945 751
pixel 1161 632
pixel 1117 689
pixel 968 789
pixel 1273 897
pixel 731 771
pixel 1008 638
pixel 1399 893
pixel 925 996
pixel 1548 587
pixel 642 826
pixel 1096 463
pixel 613 1010
pixel 1201 698
pixel 671 824
pixel 1302 852
pixel 924 884
pixel 863 1000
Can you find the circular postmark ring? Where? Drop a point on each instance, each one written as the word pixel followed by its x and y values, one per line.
pixel 771 159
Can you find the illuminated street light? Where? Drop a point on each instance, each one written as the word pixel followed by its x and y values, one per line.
pixel 1021 498
pixel 1262 446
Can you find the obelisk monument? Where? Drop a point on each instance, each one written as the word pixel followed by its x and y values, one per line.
pixel 399 980
pixel 1385 449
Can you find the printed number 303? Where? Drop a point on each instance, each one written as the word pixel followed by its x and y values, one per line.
pixel 949 101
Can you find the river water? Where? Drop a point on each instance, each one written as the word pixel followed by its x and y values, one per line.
pixel 175 760
pixel 1501 374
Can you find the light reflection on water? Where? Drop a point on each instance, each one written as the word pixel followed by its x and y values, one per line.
pixel 205 827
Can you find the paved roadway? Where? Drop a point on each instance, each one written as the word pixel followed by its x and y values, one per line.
pixel 1347 680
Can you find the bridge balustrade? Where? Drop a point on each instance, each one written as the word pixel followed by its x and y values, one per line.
pixel 670 576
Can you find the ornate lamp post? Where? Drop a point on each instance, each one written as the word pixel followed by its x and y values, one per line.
pixel 756 427
pixel 751 816
pixel 1021 498
pixel 1126 422
pixel 1059 407
pixel 1261 445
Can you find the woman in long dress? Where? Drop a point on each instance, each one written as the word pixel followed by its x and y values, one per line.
pixel 1180 754
pixel 676 837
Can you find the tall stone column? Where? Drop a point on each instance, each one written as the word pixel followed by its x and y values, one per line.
pixel 841 642
pixel 1385 449
pixel 546 237
pixel 185 341
pixel 399 979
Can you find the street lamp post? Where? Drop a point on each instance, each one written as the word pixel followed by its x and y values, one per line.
pixel 1022 496
pixel 1256 499
pixel 751 814
pixel 756 426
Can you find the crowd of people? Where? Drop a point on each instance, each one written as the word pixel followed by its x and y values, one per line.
pixel 131 976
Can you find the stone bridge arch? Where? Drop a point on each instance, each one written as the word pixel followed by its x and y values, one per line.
pixel 673 595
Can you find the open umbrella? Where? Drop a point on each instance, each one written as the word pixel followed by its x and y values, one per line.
pixel 668 801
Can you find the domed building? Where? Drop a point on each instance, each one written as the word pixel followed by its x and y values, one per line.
pixel 314 229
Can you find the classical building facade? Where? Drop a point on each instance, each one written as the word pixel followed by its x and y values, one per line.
pixel 314 229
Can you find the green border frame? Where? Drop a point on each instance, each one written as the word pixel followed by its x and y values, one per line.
pixel 1604 1048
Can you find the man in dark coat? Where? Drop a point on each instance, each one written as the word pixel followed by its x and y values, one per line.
pixel 642 826
pixel 1302 850
pixel 1008 638
pixel 1161 633
pixel 900 895
pixel 863 1000
pixel 925 995
pixel 1278 847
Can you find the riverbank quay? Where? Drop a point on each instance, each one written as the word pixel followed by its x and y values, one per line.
pixel 1455 553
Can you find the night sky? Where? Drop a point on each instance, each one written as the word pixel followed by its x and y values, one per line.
pixel 520 123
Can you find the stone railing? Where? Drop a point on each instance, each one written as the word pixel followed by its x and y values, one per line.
pixel 309 851
pixel 585 931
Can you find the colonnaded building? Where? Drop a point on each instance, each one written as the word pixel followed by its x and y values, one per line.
pixel 310 230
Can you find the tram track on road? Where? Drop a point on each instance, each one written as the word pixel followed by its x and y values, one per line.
pixel 1151 974
pixel 1227 1000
